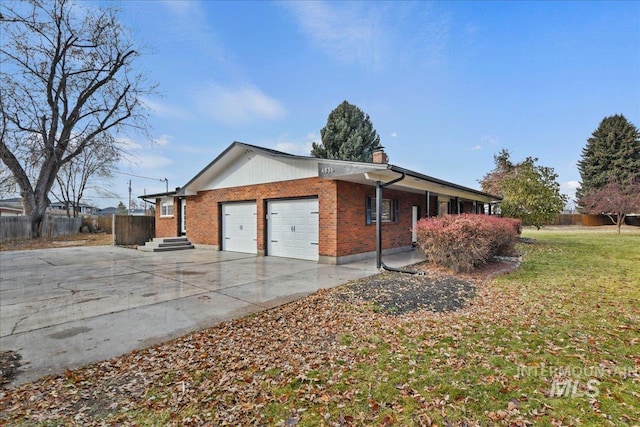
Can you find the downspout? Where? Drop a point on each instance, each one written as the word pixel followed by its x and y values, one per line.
pixel 379 262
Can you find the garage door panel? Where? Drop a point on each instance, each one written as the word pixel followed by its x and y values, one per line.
pixel 293 228
pixel 239 227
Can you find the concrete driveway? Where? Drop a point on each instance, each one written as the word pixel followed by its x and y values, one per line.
pixel 64 308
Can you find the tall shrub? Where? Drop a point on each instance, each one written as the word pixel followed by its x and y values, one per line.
pixel 464 242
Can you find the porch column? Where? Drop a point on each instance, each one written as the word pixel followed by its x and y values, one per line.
pixel 428 212
pixel 378 224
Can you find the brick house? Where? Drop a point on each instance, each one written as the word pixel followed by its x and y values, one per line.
pixel 257 200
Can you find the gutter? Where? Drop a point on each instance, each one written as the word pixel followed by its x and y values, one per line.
pixel 379 262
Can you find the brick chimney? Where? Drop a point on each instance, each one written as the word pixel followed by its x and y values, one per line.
pixel 379 156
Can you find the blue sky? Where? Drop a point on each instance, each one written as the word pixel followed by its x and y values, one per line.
pixel 446 84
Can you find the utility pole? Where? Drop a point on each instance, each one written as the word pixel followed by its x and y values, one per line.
pixel 129 197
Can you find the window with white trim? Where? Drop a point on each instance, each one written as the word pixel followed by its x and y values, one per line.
pixel 166 207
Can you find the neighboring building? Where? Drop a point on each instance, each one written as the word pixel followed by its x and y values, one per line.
pixel 11 207
pixel 262 201
pixel 14 207
pixel 137 212
pixel 61 208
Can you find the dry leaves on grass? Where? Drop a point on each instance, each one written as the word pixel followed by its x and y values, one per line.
pixel 293 356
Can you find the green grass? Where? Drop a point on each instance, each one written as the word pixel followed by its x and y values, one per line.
pixel 573 307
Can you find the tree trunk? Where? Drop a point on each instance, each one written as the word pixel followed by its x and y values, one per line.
pixel 620 221
pixel 35 206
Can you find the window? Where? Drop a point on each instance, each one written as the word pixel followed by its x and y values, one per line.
pixel 389 210
pixel 166 207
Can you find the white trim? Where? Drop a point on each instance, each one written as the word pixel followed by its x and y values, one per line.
pixel 167 203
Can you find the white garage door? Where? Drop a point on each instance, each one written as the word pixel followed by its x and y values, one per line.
pixel 240 227
pixel 293 228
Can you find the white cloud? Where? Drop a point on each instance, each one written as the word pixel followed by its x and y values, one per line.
pixel 236 106
pixel 128 144
pixel 394 135
pixel 476 148
pixel 152 161
pixel 189 24
pixel 301 147
pixel 569 187
pixel 374 34
pixel 134 154
pixel 163 141
pixel 167 111
pixel 347 32
pixel 140 160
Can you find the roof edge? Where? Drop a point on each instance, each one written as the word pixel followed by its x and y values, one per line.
pixel 441 182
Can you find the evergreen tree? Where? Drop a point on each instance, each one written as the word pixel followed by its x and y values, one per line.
pixel 611 154
pixel 348 135
pixel 122 209
pixel 492 181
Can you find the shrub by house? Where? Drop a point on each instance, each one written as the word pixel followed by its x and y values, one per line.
pixel 464 242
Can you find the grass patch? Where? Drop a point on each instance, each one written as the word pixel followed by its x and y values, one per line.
pixel 557 342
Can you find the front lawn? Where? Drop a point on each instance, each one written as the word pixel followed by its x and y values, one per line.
pixel 556 342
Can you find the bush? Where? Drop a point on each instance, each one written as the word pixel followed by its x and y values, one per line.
pixel 464 242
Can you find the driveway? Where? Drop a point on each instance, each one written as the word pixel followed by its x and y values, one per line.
pixel 68 307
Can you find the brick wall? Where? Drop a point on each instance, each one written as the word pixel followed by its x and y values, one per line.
pixel 203 218
pixel 356 236
pixel 342 218
pixel 167 226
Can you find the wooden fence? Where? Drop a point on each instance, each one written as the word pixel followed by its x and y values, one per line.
pixel 133 230
pixel 105 223
pixel 592 220
pixel 19 227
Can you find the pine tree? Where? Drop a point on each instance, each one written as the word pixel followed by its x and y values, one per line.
pixel 492 181
pixel 612 154
pixel 348 135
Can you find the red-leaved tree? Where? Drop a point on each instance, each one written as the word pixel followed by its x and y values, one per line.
pixel 614 200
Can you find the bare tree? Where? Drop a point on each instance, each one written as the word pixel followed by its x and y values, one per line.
pixel 91 169
pixel 614 200
pixel 67 82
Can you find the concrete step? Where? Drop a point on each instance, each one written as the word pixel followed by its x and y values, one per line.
pixel 163 244
pixel 169 239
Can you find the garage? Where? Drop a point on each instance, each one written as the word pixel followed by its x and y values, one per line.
pixel 293 228
pixel 239 227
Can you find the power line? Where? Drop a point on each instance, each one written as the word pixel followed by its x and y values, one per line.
pixel 139 176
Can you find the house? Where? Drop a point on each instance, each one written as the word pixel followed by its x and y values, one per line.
pixel 14 207
pixel 11 207
pixel 262 201
pixel 60 208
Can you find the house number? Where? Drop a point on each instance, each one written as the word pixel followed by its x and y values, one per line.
pixel 327 170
